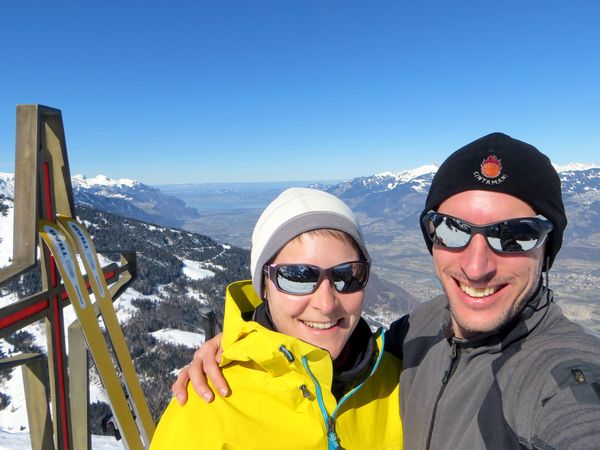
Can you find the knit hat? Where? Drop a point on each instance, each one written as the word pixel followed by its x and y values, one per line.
pixel 293 212
pixel 499 163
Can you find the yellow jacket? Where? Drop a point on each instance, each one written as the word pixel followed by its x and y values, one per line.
pixel 281 395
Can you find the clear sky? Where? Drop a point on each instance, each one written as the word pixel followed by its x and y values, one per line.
pixel 251 90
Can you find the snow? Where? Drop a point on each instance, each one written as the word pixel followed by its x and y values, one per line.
pixel 21 441
pixel 123 306
pixel 195 271
pixel 13 441
pixel 216 266
pixel 407 175
pixel 100 180
pixel 575 167
pixel 7 299
pixel 195 295
pixel 14 417
pixel 178 337
pixel 7 184
pixel 6 236
pixel 404 176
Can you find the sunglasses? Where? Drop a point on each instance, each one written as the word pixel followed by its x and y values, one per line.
pixel 507 236
pixel 303 279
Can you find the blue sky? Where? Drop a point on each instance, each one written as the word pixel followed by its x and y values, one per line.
pixel 229 91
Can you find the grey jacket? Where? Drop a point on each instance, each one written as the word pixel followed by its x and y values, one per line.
pixel 534 384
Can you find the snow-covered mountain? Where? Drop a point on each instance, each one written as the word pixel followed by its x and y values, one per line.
pixel 579 178
pixel 575 177
pixel 127 198
pixel 418 179
pixel 378 192
pixel 401 195
pixel 81 181
pixel 7 184
pixel 132 199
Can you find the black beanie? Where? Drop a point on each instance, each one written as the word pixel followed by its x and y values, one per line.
pixel 499 163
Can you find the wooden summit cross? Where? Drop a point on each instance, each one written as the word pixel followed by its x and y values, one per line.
pixel 44 218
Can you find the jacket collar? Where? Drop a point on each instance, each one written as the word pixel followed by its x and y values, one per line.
pixel 247 340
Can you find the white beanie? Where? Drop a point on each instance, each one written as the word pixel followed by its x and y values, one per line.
pixel 293 212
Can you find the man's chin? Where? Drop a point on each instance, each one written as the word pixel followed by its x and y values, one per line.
pixel 465 325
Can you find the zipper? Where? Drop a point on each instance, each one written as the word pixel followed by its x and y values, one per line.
pixel 333 442
pixel 332 437
pixel 453 357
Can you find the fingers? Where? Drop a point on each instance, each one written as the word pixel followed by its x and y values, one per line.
pixel 198 379
pixel 214 373
pixel 206 363
pixel 179 387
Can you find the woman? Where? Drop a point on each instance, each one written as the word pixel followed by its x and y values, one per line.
pixel 305 371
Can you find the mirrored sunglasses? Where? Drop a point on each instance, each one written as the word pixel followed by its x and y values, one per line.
pixel 303 279
pixel 507 236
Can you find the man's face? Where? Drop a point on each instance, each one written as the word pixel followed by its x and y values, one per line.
pixel 485 289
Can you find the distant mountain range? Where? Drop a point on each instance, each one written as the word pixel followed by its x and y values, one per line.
pixel 381 194
pixel 388 193
pixel 124 197
pixel 131 199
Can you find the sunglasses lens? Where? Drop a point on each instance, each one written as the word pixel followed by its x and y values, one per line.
pixel 302 279
pixel 510 236
pixel 514 236
pixel 297 278
pixel 350 277
pixel 448 231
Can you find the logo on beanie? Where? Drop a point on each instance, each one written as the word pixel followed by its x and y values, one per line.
pixel 491 171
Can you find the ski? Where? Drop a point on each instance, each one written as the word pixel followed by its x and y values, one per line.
pixel 62 248
pixel 87 250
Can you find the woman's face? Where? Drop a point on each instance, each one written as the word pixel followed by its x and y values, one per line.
pixel 325 318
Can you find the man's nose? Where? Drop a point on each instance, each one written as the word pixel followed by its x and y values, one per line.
pixel 478 260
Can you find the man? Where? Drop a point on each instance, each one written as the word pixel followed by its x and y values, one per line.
pixel 492 363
